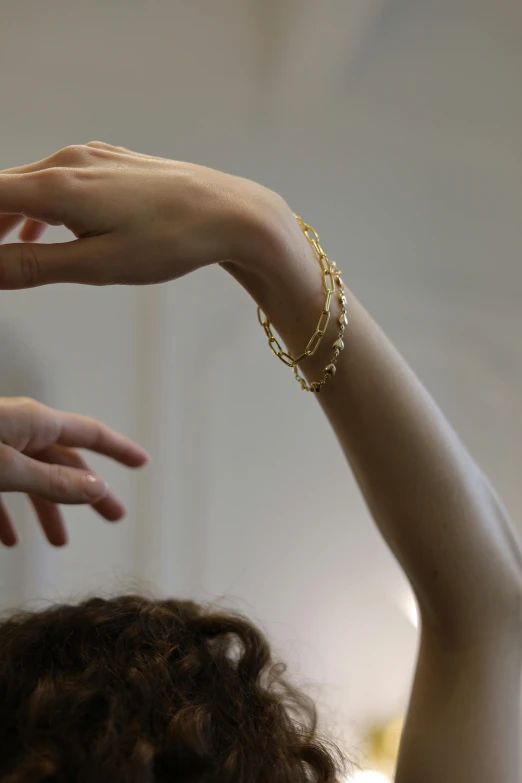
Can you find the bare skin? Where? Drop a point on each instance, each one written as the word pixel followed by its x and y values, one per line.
pixel 140 219
pixel 39 456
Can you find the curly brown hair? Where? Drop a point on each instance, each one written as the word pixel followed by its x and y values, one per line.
pixel 138 690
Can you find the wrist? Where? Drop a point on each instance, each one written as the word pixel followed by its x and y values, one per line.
pixel 280 269
pixel 263 223
pixel 271 253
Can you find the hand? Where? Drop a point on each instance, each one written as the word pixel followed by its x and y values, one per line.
pixel 38 456
pixel 137 218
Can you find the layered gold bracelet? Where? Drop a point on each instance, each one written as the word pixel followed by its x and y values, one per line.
pixel 331 278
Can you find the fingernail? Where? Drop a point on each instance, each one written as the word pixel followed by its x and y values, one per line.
pixel 95 487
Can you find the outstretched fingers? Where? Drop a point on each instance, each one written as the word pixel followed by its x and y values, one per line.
pixel 84 432
pixel 109 507
pixel 55 482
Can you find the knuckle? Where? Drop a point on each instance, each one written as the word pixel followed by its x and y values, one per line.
pixel 97 154
pixel 30 268
pixel 102 146
pixel 72 155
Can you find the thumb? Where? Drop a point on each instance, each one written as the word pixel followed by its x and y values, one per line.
pixel 27 264
pixel 57 483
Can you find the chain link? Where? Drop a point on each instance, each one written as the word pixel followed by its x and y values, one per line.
pixel 330 276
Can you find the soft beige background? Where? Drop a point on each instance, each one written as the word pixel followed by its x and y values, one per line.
pixel 395 128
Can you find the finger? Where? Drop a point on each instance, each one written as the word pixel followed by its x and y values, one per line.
pixel 85 432
pixel 110 508
pixel 51 520
pixel 8 223
pixel 8 535
pixel 31 230
pixel 89 261
pixel 74 155
pixel 45 194
pixel 27 168
pixel 51 482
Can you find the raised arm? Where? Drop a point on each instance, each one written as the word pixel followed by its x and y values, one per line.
pixel 435 508
pixel 433 504
pixel 140 219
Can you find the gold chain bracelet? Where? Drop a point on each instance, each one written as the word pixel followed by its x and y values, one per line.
pixel 330 275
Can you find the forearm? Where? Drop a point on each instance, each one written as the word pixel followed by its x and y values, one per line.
pixel 431 502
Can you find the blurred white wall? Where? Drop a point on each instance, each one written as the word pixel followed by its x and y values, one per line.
pixel 395 129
